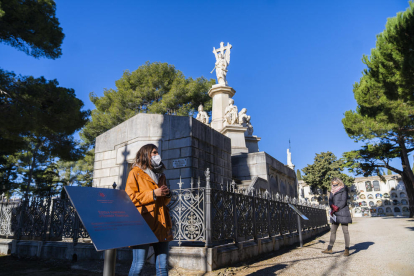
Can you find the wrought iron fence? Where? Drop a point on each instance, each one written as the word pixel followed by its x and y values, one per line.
pixel 41 218
pixel 223 213
pixel 207 215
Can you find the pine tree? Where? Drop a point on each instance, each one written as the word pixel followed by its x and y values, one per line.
pixel 324 168
pixel 384 117
pixel 152 88
pixel 37 121
pixel 32 27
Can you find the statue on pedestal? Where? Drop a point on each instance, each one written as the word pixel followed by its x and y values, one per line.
pixel 244 120
pixel 289 160
pixel 202 116
pixel 222 55
pixel 231 115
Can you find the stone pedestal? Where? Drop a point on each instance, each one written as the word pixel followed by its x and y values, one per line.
pixel 252 143
pixel 220 95
pixel 236 134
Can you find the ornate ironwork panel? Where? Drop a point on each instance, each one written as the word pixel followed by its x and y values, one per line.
pixel 222 215
pixel 244 209
pixel 187 214
pixel 65 222
pixel 262 224
pixel 33 219
pixel 284 218
pixel 8 218
pixel 274 210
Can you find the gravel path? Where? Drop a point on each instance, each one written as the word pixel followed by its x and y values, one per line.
pixel 379 246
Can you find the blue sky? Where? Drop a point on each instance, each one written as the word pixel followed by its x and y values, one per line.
pixel 293 63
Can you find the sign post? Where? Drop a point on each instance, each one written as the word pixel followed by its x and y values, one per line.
pixel 111 219
pixel 299 215
pixel 109 262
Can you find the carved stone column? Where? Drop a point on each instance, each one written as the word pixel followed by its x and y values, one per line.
pixel 221 95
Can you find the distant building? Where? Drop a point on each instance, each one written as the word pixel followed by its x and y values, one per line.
pixel 311 195
pixel 368 196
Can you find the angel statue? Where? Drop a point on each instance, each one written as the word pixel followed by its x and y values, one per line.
pixel 222 55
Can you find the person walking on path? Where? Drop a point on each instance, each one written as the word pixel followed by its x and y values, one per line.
pixel 338 199
pixel 146 186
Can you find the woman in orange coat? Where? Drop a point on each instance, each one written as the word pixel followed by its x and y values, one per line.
pixel 146 186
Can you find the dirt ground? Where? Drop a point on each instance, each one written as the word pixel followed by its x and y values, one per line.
pixel 11 266
pixel 379 246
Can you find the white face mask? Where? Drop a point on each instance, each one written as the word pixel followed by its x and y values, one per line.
pixel 156 159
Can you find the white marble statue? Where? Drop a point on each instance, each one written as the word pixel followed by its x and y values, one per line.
pixel 231 115
pixel 222 55
pixel 244 120
pixel 289 160
pixel 202 116
pixel 289 157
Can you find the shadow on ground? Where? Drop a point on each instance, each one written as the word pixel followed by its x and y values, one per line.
pixel 357 247
pixel 345 262
pixel 269 270
pixel 12 266
pixel 277 267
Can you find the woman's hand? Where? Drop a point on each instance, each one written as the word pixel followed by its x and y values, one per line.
pixel 162 191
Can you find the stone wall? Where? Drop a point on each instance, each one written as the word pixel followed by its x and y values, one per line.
pixel 187 148
pixel 280 178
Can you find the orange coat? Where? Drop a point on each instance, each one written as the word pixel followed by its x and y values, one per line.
pixel 139 187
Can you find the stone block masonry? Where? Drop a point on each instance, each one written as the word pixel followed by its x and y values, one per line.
pixel 187 148
pixel 280 178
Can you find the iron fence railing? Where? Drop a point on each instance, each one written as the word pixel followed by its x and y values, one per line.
pixel 40 218
pixel 223 213
pixel 207 215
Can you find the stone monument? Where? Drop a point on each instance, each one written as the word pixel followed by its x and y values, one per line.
pixel 222 55
pixel 231 116
pixel 251 168
pixel 252 141
pixel 225 116
pixel 233 129
pixel 220 92
pixel 289 160
pixel 202 116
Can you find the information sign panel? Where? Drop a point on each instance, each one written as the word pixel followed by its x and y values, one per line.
pixel 298 212
pixel 179 163
pixel 110 217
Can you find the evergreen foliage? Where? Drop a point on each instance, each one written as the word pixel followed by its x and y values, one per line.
pixel 298 174
pixel 152 88
pixel 32 27
pixel 384 117
pixel 389 172
pixel 37 118
pixel 37 121
pixel 325 167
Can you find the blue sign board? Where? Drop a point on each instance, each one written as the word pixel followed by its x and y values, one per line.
pixel 110 217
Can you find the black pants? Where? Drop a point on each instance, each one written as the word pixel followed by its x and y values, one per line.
pixel 334 227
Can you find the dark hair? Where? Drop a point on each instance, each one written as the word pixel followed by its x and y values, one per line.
pixel 143 158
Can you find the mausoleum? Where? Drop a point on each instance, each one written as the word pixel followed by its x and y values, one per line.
pixel 189 146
